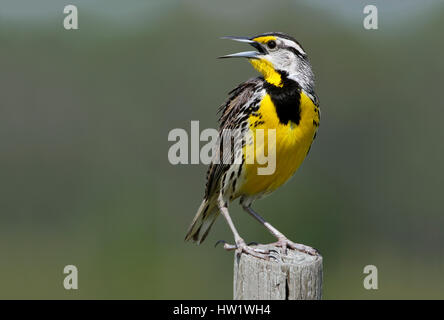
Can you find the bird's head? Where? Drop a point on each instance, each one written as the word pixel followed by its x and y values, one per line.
pixel 278 57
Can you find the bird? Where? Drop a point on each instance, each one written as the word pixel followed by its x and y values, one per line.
pixel 281 99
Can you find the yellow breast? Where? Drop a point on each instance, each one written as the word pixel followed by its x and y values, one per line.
pixel 290 146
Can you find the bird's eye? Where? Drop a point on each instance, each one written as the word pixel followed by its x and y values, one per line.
pixel 271 44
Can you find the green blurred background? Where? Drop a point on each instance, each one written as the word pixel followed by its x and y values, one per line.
pixel 85 116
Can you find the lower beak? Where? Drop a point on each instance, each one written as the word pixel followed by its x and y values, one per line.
pixel 245 54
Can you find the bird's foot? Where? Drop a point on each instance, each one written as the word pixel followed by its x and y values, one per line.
pixel 242 247
pixel 284 243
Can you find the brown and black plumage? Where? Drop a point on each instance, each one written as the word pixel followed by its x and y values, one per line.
pixel 282 101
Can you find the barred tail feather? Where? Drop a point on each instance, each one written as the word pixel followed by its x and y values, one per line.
pixel 203 221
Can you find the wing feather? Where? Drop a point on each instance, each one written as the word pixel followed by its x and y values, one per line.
pixel 232 114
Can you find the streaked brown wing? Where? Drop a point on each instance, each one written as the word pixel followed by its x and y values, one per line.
pixel 232 113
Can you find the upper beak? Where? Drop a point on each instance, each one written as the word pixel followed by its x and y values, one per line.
pixel 245 54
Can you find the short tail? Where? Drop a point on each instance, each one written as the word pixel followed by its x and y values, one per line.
pixel 203 221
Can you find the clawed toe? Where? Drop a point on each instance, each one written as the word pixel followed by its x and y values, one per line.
pixel 241 247
pixel 227 246
pixel 284 243
pixel 273 254
pixel 219 241
pixel 258 253
pixel 302 248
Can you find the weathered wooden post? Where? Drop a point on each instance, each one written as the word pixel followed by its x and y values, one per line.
pixel 295 276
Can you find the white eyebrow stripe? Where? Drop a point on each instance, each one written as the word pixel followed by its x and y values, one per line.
pixel 292 44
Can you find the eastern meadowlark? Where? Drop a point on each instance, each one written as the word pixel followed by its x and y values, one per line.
pixel 282 99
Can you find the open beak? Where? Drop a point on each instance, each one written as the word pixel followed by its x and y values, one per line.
pixel 245 54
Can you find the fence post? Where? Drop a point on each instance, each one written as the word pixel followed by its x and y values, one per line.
pixel 295 276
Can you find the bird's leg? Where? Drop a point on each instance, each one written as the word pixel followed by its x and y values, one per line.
pixel 240 245
pixel 283 241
